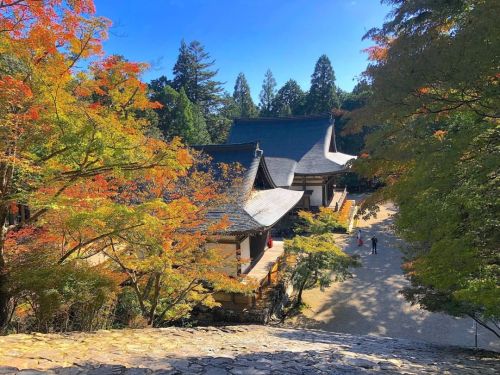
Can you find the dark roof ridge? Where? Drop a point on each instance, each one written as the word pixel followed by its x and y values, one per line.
pixel 228 146
pixel 322 116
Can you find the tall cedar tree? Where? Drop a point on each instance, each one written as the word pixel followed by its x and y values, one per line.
pixel 242 98
pixel 289 100
pixel 75 152
pixel 435 82
pixel 267 94
pixel 322 96
pixel 193 72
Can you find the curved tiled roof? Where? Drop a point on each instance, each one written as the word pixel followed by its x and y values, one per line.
pixel 247 155
pixel 259 209
pixel 268 206
pixel 293 145
pixel 262 210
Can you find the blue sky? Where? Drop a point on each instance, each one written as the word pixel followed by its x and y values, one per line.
pixel 249 36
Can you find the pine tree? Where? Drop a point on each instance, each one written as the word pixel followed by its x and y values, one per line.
pixel 289 100
pixel 322 96
pixel 243 99
pixel 267 94
pixel 193 72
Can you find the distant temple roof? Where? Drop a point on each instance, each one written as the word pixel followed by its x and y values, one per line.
pixel 293 145
pixel 262 204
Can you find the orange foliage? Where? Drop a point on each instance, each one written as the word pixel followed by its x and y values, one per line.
pixel 94 180
pixel 440 134
pixel 343 214
pixel 377 53
pixel 423 90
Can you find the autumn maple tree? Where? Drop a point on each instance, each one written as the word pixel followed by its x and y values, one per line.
pixel 84 173
pixel 315 259
pixel 435 97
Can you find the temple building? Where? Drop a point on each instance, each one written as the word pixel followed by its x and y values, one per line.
pixel 259 205
pixel 300 154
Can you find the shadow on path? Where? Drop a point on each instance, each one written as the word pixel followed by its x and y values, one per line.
pixel 370 302
pixel 322 353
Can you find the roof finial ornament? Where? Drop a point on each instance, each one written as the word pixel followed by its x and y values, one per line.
pixel 258 151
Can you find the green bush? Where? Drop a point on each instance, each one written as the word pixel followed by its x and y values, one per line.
pixel 60 297
pixel 128 312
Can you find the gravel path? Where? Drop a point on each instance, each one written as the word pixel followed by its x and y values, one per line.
pixel 369 304
pixel 233 350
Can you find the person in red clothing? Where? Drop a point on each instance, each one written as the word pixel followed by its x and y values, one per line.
pixel 360 240
pixel 269 241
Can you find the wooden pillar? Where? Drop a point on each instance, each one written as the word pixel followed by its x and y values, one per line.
pixel 238 258
pixel 323 194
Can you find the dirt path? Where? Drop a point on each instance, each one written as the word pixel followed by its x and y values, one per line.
pixel 369 303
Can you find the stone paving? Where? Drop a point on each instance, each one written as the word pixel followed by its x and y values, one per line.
pixel 233 350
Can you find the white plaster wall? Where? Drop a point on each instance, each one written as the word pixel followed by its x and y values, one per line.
pixel 317 195
pixel 245 254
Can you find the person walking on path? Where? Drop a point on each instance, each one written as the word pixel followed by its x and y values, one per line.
pixel 374 244
pixel 360 240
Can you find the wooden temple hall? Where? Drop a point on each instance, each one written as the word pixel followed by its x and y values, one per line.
pixel 287 163
pixel 300 154
pixel 260 204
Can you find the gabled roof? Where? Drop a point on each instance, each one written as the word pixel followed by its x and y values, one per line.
pixel 247 155
pixel 259 209
pixel 268 206
pixel 292 146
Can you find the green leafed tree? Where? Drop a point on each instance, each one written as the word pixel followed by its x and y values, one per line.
pixel 322 96
pixel 267 94
pixel 318 260
pixel 435 97
pixel 289 100
pixel 178 116
pixel 220 123
pixel 352 141
pixel 187 120
pixel 243 99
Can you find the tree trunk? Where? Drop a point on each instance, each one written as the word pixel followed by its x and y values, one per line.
pixel 301 289
pixel 154 302
pixel 303 284
pixel 4 293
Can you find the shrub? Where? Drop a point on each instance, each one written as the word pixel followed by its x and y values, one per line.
pixel 60 297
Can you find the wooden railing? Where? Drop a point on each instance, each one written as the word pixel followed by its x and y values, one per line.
pixel 337 204
pixel 343 197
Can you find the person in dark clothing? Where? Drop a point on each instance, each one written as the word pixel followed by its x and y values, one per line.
pixel 374 244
